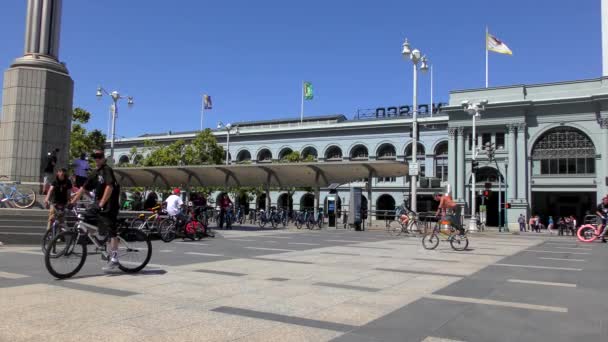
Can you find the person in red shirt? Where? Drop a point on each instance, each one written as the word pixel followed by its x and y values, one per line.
pixel 225 204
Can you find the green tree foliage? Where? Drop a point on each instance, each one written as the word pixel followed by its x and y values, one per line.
pixel 292 157
pixel 204 149
pixel 81 140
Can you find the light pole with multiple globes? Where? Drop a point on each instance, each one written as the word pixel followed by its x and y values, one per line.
pixel 419 61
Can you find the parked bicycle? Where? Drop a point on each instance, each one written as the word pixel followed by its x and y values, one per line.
pixel 313 222
pixel 67 252
pixel 263 218
pixel 152 222
pixel 20 199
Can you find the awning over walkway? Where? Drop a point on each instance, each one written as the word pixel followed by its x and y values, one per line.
pixel 274 174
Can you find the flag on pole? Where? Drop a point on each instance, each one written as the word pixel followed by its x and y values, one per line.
pixel 207 104
pixel 496 45
pixel 308 91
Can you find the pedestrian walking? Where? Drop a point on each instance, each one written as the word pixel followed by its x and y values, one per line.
pixel 81 169
pixel 531 223
pixel 522 223
pixel 550 225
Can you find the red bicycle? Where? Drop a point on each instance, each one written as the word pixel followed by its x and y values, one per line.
pixel 591 230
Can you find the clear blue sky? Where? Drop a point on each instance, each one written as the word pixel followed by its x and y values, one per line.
pixel 251 56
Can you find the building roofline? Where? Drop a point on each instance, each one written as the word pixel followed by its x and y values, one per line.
pixel 534 85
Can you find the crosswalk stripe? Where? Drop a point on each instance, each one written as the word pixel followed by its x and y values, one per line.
pixel 540 267
pixel 271 249
pixel 534 282
pixel 205 254
pixel 498 303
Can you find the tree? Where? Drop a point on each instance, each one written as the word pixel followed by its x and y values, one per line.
pixel 81 140
pixel 292 157
pixel 204 149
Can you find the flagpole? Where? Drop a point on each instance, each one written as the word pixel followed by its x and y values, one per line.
pixel 432 107
pixel 486 43
pixel 302 105
pixel 202 111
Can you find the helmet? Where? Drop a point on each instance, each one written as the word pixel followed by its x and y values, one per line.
pixel 176 191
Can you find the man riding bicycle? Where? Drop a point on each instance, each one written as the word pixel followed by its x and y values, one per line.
pixel 106 204
pixel 602 212
pixel 446 210
pixel 58 197
pixel 175 205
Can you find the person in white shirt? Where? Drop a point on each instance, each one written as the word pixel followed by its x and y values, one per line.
pixel 174 203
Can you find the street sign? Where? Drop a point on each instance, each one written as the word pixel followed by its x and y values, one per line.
pixel 413 169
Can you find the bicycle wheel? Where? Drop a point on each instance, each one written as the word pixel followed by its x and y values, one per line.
pixel 134 250
pixel 24 199
pixel 459 242
pixel 298 224
pixel 413 228
pixel 430 241
pixel 49 236
pixel 167 230
pixel 394 228
pixel 64 256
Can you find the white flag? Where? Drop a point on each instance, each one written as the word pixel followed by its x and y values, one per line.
pixel 494 44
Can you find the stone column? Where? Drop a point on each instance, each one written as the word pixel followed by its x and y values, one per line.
pixel 460 161
pixel 522 164
pixel 452 160
pixel 512 161
pixel 602 187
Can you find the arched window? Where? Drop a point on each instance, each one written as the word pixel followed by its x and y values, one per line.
pixel 441 161
pixel 385 206
pixel 243 156
pixel 309 154
pixel 265 156
pixel 420 157
pixel 138 159
pixel 563 150
pixel 334 153
pixel 284 152
pixel 123 160
pixel 487 175
pixel 386 152
pixel 307 202
pixel 359 152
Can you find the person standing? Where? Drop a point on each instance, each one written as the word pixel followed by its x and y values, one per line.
pixel 225 203
pixel 550 225
pixel 58 197
pixel 175 205
pixel 49 169
pixel 522 223
pixel 81 169
pixel 106 204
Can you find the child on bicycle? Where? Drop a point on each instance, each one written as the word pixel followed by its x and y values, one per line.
pixel 57 197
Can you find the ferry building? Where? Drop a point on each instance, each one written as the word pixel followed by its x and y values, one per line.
pixel 551 142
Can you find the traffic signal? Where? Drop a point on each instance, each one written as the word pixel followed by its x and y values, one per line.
pixel 474 166
pixel 486 194
pixel 508 205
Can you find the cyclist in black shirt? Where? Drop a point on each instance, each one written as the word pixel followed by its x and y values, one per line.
pixel 602 212
pixel 106 203
pixel 58 196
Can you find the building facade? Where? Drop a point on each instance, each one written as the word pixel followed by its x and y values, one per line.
pixel 329 139
pixel 551 143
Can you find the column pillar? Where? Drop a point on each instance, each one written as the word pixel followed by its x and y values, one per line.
pixel 460 161
pixel 452 159
pixel 522 163
pixel 512 172
pixel 602 187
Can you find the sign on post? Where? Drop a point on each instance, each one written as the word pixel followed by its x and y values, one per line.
pixel 414 169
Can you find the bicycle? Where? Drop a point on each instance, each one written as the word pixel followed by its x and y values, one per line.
pixel 300 219
pixel 172 227
pixel 591 230
pixel 21 200
pixel 312 221
pixel 444 230
pixel 56 227
pixel 69 248
pixel 263 218
pixel 152 223
pixel 407 224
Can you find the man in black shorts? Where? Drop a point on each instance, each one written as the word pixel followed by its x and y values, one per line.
pixel 106 204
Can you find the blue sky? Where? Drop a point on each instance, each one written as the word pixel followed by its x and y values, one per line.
pixel 252 56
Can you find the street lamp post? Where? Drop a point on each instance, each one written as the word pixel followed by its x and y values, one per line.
pixel 474 109
pixel 228 128
pixel 115 96
pixel 418 61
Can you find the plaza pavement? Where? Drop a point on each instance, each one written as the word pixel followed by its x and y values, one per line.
pixel 317 286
